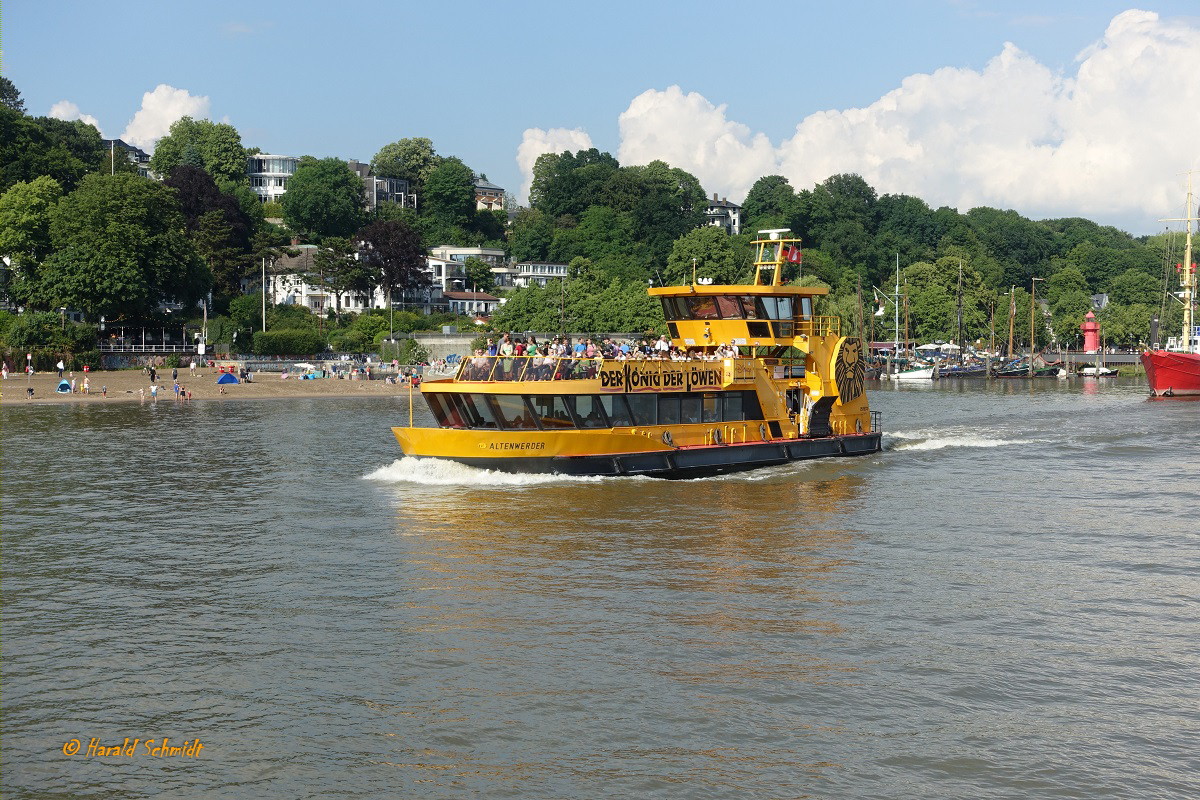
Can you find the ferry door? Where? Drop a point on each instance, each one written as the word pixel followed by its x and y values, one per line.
pixel 797 406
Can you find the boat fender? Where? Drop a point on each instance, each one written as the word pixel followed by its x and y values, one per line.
pixel 762 431
pixel 668 439
pixel 716 436
pixel 858 425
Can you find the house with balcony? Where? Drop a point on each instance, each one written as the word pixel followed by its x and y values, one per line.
pixel 269 175
pixel 383 190
pixel 723 214
pixel 488 196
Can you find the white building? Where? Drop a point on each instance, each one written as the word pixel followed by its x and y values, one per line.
pixel 528 273
pixel 488 196
pixel 269 175
pixel 295 281
pixel 472 303
pixel 724 214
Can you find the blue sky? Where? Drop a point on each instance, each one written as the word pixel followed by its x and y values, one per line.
pixel 962 103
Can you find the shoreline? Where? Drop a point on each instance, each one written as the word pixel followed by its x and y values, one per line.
pixel 133 385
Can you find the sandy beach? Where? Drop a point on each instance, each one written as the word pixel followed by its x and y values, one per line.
pixel 134 386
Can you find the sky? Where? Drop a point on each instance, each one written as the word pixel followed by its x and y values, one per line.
pixel 1085 108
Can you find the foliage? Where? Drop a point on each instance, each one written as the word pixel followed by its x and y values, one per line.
pixel 119 248
pixel 287 342
pixel 214 146
pixel 449 193
pixel 25 232
pixel 411 159
pixel 324 198
pixel 711 251
pixel 10 96
pixel 395 254
pixel 479 275
pixel 530 237
pixel 35 146
pixel 246 311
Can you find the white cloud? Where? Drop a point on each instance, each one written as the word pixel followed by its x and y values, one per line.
pixel 66 110
pixel 686 130
pixel 160 109
pixel 536 141
pixel 1109 142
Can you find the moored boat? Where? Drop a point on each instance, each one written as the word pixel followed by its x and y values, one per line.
pixel 1175 369
pixel 764 381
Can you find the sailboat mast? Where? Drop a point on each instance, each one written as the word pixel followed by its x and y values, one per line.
pixel 1012 313
pixel 960 339
pixel 896 310
pixel 1188 278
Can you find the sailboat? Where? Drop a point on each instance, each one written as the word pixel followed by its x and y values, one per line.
pixel 1175 369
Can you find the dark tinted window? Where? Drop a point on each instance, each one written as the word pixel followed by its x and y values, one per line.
pixel 514 414
pixel 644 408
pixel 618 412
pixel 668 409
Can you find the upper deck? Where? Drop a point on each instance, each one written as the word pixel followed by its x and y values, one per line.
pixel 765 313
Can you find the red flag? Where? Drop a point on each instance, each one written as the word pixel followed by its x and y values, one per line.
pixel 793 255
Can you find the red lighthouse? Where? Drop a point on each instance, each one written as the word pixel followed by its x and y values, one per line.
pixel 1091 333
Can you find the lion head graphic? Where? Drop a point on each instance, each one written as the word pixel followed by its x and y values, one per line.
pixel 849 370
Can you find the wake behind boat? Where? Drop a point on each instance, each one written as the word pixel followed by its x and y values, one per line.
pixel 764 381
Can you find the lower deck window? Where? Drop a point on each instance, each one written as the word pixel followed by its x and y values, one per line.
pixel 556 412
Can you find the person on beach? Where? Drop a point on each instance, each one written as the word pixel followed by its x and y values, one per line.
pixel 154 391
pixel 193 367
pixel 86 386
pixel 61 366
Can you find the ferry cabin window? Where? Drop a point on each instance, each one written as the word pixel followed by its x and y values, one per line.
pixel 702 307
pixel 552 411
pixel 588 411
pixel 513 412
pixel 711 407
pixel 806 306
pixel 644 408
pixel 668 409
pixel 475 410
pixel 618 413
pixel 445 411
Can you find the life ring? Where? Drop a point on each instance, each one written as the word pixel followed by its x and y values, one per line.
pixel 716 436
pixel 667 439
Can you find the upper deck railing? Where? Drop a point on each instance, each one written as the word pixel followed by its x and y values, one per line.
pixel 546 368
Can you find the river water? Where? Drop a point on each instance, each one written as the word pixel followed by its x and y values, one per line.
pixel 1002 604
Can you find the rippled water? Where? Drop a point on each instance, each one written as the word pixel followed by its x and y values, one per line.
pixel 1003 603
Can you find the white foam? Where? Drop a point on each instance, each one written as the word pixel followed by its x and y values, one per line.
pixel 922 440
pixel 439 472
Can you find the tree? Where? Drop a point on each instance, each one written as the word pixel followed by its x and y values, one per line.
pixel 396 255
pixel 25 212
pixel 410 159
pixel 10 97
pixel 479 275
pixel 34 146
pixel 1134 286
pixel 217 224
pixel 450 193
pixel 341 271
pixel 771 200
pixel 215 146
pixel 120 248
pixel 530 236
pixel 713 254
pixel 324 198
pixel 213 239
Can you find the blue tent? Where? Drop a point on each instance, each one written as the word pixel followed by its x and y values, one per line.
pixel 64 387
pixel 228 377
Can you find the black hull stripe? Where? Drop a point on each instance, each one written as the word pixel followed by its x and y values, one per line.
pixel 688 462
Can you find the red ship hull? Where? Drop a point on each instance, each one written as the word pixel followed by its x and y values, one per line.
pixel 1172 373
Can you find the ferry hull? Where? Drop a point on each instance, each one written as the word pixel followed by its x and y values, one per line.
pixel 1171 373
pixel 682 462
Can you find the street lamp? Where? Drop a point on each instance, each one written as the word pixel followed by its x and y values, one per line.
pixel 62 313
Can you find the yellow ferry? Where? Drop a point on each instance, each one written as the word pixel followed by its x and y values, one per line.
pixel 764 381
